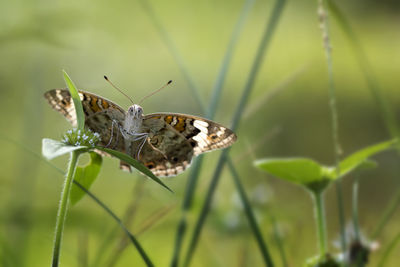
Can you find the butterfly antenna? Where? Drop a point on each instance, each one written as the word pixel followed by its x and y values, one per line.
pixel 156 91
pixel 105 77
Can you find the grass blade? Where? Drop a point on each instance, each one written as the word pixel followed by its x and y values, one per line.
pixel 250 215
pixel 268 33
pixel 279 242
pixel 210 113
pixel 80 116
pixel 386 110
pixel 389 250
pixel 173 50
pixel 93 197
pixel 136 164
pixel 219 83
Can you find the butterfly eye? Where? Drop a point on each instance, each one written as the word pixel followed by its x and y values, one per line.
pixel 130 110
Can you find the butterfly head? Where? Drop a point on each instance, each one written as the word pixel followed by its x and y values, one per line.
pixel 135 112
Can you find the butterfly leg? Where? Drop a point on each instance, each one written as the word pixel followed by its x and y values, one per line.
pixel 144 139
pixel 114 122
pixel 134 136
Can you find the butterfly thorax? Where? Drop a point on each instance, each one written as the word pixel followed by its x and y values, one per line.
pixel 133 121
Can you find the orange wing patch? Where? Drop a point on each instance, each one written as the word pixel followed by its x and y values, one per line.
pixel 168 119
pixel 180 126
pixel 105 104
pixel 93 104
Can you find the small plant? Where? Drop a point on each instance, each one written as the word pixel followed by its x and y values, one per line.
pixel 77 142
pixel 316 178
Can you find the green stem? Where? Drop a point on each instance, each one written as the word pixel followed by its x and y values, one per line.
pixel 62 209
pixel 355 210
pixel 323 18
pixel 321 223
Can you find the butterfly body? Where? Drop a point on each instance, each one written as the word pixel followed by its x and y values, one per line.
pixel 163 142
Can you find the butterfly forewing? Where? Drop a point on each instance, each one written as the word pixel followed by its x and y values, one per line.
pixel 203 135
pixel 99 114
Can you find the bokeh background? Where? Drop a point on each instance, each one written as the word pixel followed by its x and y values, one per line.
pixel 89 39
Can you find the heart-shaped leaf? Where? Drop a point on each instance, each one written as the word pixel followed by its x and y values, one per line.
pixel 134 163
pixel 52 148
pixel 85 176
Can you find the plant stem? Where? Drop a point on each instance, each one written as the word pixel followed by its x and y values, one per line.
pixel 62 209
pixel 323 18
pixel 355 210
pixel 321 223
pixel 92 196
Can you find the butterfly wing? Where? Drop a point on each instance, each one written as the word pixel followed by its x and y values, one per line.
pixel 175 138
pixel 99 114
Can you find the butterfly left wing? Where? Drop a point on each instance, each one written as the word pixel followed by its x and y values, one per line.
pixel 99 114
pixel 175 138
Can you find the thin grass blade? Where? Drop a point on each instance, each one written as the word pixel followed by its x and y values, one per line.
pixel 92 196
pixel 134 163
pixel 264 44
pixel 173 50
pixel 80 116
pixel 250 215
pixel 386 110
pixel 210 113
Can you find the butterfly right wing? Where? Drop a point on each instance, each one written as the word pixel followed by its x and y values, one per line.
pixel 99 113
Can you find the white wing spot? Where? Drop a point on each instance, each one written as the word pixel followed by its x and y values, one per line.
pixel 201 125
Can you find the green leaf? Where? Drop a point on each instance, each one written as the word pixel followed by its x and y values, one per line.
pixel 52 148
pixel 302 171
pixel 356 159
pixel 295 170
pixel 80 116
pixel 85 176
pixel 134 163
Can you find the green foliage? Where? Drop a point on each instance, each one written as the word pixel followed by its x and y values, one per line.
pixel 80 116
pixel 52 148
pixel 85 176
pixel 324 261
pixel 314 176
pixel 358 158
pixel 134 163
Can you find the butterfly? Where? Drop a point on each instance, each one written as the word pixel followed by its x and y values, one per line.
pixel 164 142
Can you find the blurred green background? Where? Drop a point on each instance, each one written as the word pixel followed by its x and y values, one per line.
pixel 89 39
